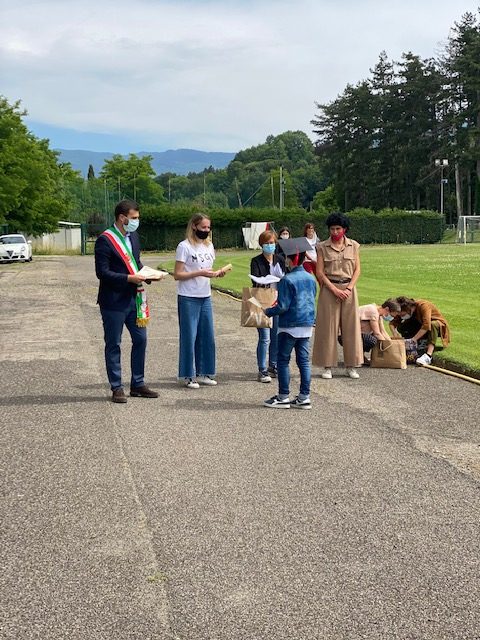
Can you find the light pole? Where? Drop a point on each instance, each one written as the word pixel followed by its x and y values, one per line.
pixel 443 181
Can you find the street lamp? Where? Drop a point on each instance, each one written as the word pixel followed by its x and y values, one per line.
pixel 443 181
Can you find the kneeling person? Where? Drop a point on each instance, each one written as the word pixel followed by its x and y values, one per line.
pixel 432 324
pixel 295 308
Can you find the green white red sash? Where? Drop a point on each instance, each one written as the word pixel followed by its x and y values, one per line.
pixel 118 242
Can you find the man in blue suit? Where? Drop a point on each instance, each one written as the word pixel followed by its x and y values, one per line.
pixel 122 299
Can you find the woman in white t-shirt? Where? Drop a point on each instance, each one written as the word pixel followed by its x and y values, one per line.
pixel 193 270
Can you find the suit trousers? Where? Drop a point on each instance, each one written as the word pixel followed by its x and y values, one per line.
pixel 113 322
pixel 334 315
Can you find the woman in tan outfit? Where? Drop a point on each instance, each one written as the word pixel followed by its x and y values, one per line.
pixel 338 269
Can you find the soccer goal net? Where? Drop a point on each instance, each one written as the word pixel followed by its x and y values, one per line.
pixel 468 229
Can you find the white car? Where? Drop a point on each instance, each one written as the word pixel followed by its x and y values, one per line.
pixel 15 248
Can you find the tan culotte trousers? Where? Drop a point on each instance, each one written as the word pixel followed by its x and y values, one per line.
pixel 332 315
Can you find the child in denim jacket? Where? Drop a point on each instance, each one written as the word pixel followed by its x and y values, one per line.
pixel 295 309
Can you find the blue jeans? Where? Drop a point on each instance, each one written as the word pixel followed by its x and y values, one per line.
pixel 113 322
pixel 267 343
pixel 197 340
pixel 286 344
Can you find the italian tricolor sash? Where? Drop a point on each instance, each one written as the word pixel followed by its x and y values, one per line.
pixel 120 246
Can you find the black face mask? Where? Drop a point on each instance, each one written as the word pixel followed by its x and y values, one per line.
pixel 201 235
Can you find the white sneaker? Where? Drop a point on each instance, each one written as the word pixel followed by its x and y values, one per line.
pixel 351 373
pixel 190 383
pixel 296 403
pixel 425 359
pixel 276 403
pixel 327 374
pixel 207 380
pixel 264 376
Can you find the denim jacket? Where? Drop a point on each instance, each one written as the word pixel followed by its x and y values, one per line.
pixel 296 300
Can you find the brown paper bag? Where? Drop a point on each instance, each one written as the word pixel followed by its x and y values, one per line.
pixel 253 299
pixel 389 354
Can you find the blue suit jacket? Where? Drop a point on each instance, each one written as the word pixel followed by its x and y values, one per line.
pixel 115 292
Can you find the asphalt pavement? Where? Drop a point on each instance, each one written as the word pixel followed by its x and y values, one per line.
pixel 202 515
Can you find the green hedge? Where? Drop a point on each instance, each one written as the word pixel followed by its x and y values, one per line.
pixel 396 226
pixel 163 227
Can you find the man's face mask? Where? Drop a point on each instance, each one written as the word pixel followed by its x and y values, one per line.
pixel 131 225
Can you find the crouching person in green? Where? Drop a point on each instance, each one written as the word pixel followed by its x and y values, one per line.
pixel 295 308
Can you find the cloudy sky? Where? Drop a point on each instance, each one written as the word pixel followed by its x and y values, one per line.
pixel 217 75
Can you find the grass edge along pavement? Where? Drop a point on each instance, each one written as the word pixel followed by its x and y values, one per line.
pixel 448 275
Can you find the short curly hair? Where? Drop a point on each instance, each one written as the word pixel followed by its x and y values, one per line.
pixel 338 219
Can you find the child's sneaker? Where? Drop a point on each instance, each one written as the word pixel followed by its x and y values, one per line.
pixel 275 403
pixel 264 376
pixel 190 383
pixel 326 374
pixel 351 373
pixel 296 403
pixel 207 380
pixel 425 359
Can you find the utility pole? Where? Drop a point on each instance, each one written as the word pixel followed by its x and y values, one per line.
pixel 204 190
pixel 282 189
pixel 238 194
pixel 106 201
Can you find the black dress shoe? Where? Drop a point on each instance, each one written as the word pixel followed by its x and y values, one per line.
pixel 142 392
pixel 118 395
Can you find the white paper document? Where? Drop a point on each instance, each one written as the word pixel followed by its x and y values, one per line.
pixel 265 279
pixel 152 274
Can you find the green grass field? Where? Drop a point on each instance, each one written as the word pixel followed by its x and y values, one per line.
pixel 448 275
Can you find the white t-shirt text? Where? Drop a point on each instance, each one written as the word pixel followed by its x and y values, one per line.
pixel 195 256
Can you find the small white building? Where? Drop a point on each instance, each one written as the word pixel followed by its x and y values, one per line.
pixel 67 238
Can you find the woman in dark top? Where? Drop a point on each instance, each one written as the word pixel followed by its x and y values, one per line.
pixel 283 234
pixel 265 264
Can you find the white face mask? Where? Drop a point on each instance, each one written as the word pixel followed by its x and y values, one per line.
pixel 132 225
pixel 285 236
pixel 407 316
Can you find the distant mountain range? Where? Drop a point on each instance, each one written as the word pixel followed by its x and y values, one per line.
pixel 180 161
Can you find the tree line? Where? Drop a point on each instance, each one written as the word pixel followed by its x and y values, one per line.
pixel 386 141
pixel 376 145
